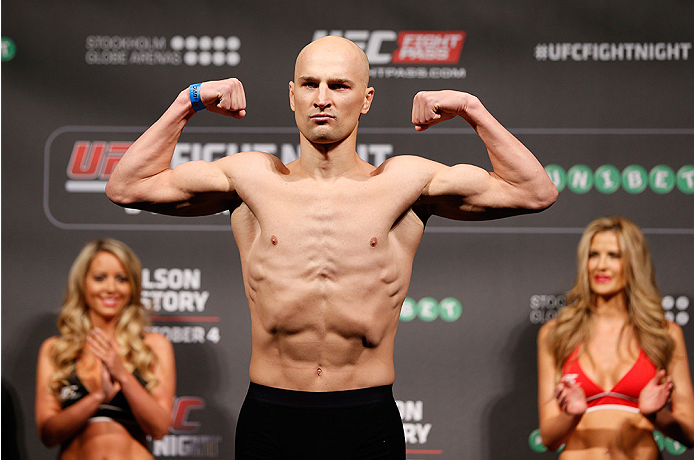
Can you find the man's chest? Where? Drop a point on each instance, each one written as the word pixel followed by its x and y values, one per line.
pixel 350 204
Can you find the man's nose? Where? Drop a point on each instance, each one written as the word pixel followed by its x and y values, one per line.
pixel 322 97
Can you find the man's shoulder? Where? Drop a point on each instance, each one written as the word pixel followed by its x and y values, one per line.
pixel 253 156
pixel 404 166
pixel 409 161
pixel 252 161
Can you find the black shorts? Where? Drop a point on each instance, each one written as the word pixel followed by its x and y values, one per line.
pixel 276 424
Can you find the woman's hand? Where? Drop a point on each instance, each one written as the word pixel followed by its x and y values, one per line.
pixel 113 370
pixel 656 393
pixel 570 396
pixel 109 388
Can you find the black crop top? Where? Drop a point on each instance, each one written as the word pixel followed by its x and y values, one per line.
pixel 116 409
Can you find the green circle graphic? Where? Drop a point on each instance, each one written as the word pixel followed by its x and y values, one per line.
pixel 450 309
pixel 580 179
pixel 673 447
pixel 535 441
pixel 662 179
pixel 558 176
pixel 607 179
pixel 659 439
pixel 428 309
pixel 685 179
pixel 9 49
pixel 408 311
pixel 634 179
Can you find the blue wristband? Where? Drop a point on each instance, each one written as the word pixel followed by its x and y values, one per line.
pixel 194 93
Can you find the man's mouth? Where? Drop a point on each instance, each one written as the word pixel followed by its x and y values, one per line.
pixel 321 117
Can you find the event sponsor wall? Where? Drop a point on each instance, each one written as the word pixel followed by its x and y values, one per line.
pixel 601 92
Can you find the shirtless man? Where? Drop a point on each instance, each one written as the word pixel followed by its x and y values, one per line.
pixel 327 243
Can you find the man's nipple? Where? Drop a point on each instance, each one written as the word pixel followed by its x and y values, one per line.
pixel 373 242
pixel 273 240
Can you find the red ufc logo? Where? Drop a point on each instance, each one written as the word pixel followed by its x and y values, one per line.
pixel 95 160
pixel 179 416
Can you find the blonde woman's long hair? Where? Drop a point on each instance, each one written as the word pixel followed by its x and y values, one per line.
pixel 74 323
pixel 573 326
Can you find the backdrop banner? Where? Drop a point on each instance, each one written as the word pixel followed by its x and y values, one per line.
pixel 601 92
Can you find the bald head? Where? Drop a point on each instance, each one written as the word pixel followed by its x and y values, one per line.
pixel 333 47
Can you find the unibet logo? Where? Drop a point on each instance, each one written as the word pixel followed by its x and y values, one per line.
pixel 428 309
pixel 634 179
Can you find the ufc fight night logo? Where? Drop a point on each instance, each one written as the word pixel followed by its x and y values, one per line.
pixel 185 439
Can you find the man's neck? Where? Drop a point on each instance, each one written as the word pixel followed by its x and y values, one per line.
pixel 328 161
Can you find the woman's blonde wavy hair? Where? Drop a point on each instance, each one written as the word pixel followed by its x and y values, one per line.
pixel 74 323
pixel 574 322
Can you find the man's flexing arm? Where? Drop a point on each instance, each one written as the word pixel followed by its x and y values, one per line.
pixel 143 178
pixel 518 183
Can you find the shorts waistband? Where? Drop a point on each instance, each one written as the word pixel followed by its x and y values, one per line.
pixel 320 399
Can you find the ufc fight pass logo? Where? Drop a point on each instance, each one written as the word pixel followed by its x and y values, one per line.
pixel 407 48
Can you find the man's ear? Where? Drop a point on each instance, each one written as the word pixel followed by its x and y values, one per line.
pixel 368 98
pixel 291 95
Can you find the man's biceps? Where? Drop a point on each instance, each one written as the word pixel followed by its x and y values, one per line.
pixel 451 180
pixel 197 177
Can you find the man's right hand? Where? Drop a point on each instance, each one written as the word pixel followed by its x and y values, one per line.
pixel 224 96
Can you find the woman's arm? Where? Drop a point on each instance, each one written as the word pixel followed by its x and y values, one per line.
pixel 560 405
pixel 677 422
pixel 55 424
